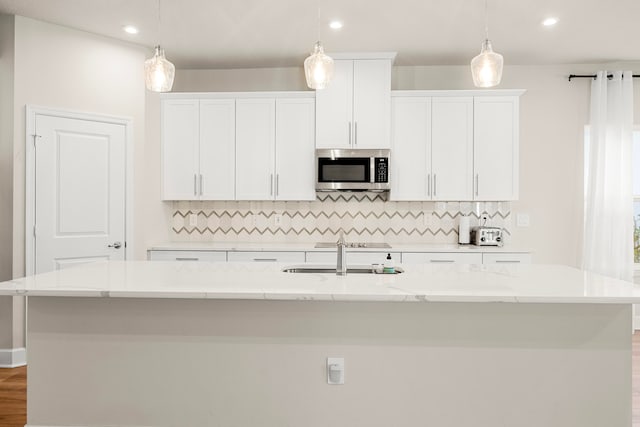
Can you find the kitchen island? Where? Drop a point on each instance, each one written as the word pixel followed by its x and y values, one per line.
pixel 233 344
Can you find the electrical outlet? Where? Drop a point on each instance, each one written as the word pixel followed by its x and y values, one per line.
pixel 335 370
pixel 193 220
pixel 522 220
pixel 277 219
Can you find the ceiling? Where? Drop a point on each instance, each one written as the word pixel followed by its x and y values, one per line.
pixel 270 33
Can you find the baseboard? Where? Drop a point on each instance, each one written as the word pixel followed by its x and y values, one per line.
pixel 12 358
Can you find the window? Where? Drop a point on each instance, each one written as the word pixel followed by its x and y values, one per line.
pixel 636 196
pixel 636 187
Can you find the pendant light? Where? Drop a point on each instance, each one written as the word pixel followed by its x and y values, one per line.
pixel 158 72
pixel 318 67
pixel 486 68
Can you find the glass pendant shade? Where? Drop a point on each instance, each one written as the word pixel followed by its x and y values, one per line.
pixel 158 72
pixel 486 68
pixel 318 68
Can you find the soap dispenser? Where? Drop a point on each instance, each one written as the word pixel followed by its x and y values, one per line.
pixel 388 265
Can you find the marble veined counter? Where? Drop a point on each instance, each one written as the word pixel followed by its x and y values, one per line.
pixel 310 247
pixel 255 281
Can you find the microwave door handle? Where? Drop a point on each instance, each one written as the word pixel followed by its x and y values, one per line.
pixel 372 170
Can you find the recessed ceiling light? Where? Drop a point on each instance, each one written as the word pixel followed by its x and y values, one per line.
pixel 130 29
pixel 549 22
pixel 336 25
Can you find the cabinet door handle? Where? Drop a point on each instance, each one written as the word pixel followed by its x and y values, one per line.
pixel 195 184
pixel 271 185
pixel 477 184
pixel 355 131
pixel 265 259
pixel 277 184
pixel 435 261
pixel 508 261
pixel 201 187
pixel 435 185
pixel 187 259
pixel 429 185
pixel 349 133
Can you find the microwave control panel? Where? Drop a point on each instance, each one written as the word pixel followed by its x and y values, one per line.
pixel 381 165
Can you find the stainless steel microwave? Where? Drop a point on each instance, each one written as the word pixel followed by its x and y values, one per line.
pixel 352 170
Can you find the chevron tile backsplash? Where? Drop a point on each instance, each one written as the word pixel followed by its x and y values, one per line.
pixel 363 217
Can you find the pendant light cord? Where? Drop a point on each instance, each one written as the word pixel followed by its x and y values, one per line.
pixel 159 26
pixel 318 22
pixel 486 19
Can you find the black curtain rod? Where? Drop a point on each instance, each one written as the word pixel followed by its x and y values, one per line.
pixel 593 76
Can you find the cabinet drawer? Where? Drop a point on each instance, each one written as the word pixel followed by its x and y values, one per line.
pixel 506 258
pixel 353 257
pixel 265 256
pixel 217 256
pixel 441 257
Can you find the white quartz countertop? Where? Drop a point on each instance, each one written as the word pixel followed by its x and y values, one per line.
pixel 251 281
pixel 310 247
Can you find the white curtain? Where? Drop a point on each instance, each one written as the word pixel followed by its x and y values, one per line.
pixel 608 234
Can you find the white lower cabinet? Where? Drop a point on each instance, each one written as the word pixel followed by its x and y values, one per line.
pixel 441 258
pixel 506 258
pixel 211 256
pixel 353 257
pixel 265 256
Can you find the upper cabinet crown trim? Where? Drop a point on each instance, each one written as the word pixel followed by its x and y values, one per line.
pixel 442 93
pixel 364 55
pixel 235 95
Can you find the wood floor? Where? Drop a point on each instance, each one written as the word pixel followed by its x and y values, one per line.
pixel 13 397
pixel 13 392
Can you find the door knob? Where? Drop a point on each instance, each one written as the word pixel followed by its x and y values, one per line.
pixel 115 245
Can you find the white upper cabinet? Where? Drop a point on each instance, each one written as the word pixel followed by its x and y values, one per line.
pixel 411 148
pixel 198 148
pixel 238 146
pixel 371 103
pixel 496 148
pixel 295 140
pixel 432 148
pixel 334 108
pixel 354 110
pixel 180 149
pixel 451 148
pixel 255 149
pixel 217 149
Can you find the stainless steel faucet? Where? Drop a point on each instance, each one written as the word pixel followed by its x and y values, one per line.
pixel 341 264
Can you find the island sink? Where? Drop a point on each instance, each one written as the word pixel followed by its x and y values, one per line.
pixel 352 269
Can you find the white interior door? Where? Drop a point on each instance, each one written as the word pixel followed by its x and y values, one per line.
pixel 80 180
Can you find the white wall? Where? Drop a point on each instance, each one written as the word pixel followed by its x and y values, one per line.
pixel 63 68
pixel 6 174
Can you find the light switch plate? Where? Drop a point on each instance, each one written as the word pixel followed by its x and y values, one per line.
pixel 193 220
